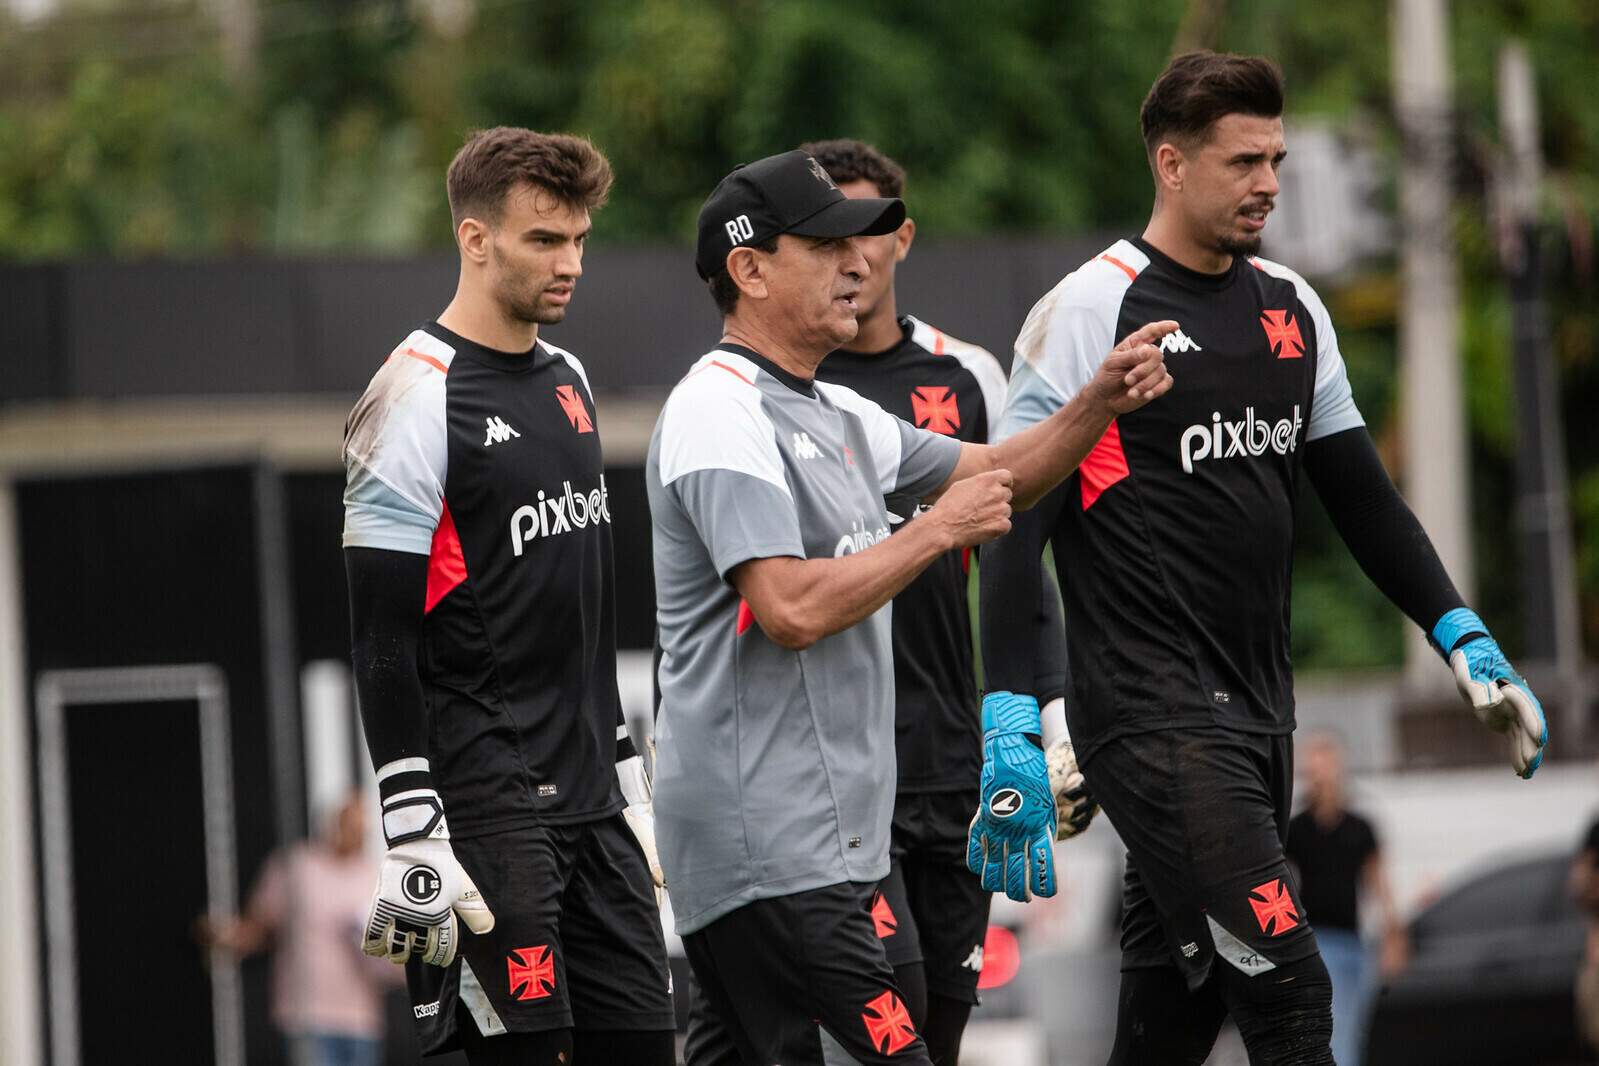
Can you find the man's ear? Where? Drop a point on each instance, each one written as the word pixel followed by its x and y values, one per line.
pixel 1171 167
pixel 747 267
pixel 474 238
pixel 903 237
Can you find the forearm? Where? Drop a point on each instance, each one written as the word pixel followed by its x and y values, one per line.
pixel 387 591
pixel 797 602
pixel 1379 528
pixel 1014 621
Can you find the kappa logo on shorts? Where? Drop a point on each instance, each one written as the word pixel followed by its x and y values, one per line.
pixel 974 961
pixel 1005 803
pixel 426 1010
pixel 888 1024
pixel 572 404
pixel 1274 908
pixel 883 919
pixel 532 972
pixel 934 408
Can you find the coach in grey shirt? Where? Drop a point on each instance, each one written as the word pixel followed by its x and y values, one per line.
pixel 774 568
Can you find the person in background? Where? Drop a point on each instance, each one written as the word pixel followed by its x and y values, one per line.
pixel 308 906
pixel 1585 889
pixel 1336 855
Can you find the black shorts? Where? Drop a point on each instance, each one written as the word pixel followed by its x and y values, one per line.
pixel 939 906
pixel 576 940
pixel 1204 813
pixel 775 970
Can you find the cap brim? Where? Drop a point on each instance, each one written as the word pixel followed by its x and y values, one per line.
pixel 852 218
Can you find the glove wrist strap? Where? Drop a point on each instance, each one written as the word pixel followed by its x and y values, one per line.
pixel 412 809
pixel 1010 712
pixel 1455 628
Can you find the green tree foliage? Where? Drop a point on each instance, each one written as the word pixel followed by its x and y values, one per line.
pixel 121 134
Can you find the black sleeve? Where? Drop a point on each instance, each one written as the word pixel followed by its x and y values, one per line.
pixel 1378 526
pixel 1014 607
pixel 387 593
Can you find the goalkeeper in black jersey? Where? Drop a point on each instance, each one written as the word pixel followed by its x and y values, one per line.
pixel 477 537
pixel 1174 543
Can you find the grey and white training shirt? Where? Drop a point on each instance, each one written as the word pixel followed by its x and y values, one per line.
pixel 775 769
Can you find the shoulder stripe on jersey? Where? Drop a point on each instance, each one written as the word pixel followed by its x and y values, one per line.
pixel 428 359
pixel 1132 275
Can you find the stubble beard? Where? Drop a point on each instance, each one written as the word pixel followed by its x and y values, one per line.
pixel 1245 245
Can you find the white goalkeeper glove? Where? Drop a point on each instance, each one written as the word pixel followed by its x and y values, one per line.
pixel 1074 805
pixel 640 809
pixel 1500 697
pixel 421 886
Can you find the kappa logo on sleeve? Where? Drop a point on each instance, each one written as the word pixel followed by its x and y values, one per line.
pixel 888 1024
pixel 532 972
pixel 1282 334
pixel 572 404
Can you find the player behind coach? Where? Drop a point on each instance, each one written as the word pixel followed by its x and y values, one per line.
pixel 772 561
pixel 477 541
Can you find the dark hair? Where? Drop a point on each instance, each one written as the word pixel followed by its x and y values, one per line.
pixel 847 160
pixel 723 289
pixel 1198 88
pixel 493 161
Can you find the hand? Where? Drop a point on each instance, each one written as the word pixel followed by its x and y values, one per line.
pixel 1500 697
pixel 1394 953
pixel 975 510
pixel 1011 840
pixel 421 886
pixel 1074 804
pixel 1135 370
pixel 640 813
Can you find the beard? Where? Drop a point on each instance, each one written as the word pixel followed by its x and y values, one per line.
pixel 1239 244
pixel 529 307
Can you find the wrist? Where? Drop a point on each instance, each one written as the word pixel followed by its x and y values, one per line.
pixel 1010 712
pixel 1455 628
pixel 412 809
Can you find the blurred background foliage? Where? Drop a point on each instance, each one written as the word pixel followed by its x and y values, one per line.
pixel 123 133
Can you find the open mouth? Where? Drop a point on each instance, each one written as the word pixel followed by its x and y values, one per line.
pixel 1254 217
pixel 848 300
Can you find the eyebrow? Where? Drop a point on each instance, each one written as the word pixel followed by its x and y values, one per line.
pixel 1255 157
pixel 557 234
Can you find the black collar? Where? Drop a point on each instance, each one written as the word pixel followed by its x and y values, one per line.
pixel 803 386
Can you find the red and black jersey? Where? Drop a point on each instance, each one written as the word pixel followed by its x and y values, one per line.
pixel 938 383
pixel 1174 539
pixel 489 463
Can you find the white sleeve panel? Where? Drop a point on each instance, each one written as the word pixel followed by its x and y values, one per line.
pixel 979 362
pixel 1333 408
pixel 713 420
pixel 375 516
pixel 1066 337
pixel 396 437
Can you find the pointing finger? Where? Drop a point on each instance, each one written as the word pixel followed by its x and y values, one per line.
pixel 1146 334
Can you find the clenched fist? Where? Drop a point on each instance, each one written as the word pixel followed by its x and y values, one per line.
pixel 975 510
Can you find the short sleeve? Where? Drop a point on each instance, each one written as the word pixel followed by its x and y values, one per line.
pixel 909 461
pixel 718 460
pixel 1058 352
pixel 395 452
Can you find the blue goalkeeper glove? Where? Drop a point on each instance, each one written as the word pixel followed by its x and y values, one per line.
pixel 1011 841
pixel 1489 683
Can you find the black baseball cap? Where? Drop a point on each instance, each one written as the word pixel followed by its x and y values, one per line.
pixel 787 193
